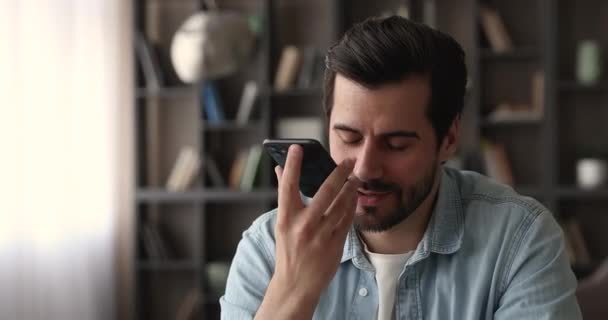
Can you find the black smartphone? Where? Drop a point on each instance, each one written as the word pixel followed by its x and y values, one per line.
pixel 317 164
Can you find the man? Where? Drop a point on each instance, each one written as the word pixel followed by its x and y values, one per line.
pixel 392 233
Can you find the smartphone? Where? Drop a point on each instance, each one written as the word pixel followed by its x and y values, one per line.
pixel 317 164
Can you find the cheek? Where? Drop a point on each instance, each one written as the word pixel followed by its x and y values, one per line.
pixel 408 170
pixel 338 151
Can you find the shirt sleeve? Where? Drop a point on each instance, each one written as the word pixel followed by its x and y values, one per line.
pixel 250 274
pixel 539 283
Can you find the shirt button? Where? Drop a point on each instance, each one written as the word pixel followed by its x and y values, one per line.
pixel 363 292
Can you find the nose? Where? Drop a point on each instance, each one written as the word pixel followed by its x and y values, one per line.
pixel 368 165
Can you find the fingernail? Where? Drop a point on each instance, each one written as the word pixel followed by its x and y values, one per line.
pixel 294 148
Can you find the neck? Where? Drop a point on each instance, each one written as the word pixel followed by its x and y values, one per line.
pixel 405 236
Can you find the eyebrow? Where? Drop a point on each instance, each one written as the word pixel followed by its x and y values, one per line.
pixel 389 134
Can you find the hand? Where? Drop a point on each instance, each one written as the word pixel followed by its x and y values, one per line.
pixel 309 239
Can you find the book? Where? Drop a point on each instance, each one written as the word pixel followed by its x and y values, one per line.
pixel 251 167
pixel 248 98
pixel 495 29
pixel 537 95
pixel 579 246
pixel 212 105
pixel 214 173
pixel 185 170
pixel 153 243
pixel 429 12
pixel 307 70
pixel 190 305
pixel 236 171
pixel 496 162
pixel 568 246
pixel 149 62
pixel 288 68
pixel 403 11
pixel 149 244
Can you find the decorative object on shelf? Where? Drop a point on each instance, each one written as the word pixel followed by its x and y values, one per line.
pixel 588 62
pixel 591 172
pixel 212 44
pixel 217 274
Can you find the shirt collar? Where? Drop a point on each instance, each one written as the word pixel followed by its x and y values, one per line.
pixel 443 234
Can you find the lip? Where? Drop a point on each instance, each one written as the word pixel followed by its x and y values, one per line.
pixel 368 198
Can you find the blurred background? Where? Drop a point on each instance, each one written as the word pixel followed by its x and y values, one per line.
pixel 132 133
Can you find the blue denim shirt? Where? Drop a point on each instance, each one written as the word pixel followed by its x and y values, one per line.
pixel 487 253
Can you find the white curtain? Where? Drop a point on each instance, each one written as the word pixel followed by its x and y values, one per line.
pixel 66 149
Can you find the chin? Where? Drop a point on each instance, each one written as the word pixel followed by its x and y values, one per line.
pixel 376 219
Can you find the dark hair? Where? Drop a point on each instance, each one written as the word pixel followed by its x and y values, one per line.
pixel 381 51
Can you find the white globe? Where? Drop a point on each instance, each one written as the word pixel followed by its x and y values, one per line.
pixel 211 44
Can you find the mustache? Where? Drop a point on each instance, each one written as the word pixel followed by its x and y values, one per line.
pixel 380 186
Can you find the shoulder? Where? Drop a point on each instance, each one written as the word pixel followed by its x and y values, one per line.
pixel 498 214
pixel 261 233
pixel 480 193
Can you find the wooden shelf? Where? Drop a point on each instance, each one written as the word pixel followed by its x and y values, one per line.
pixel 206 195
pixel 232 126
pixel 574 192
pixel 531 191
pixel 167 92
pixel 522 53
pixel 167 265
pixel 296 92
pixel 574 86
pixel 492 123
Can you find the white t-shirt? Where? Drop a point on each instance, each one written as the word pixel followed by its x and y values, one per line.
pixel 388 267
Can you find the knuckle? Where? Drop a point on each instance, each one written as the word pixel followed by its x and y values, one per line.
pixel 282 226
pixel 303 232
pixel 290 186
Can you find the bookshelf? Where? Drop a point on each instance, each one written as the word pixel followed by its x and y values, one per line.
pixel 204 222
pixel 542 151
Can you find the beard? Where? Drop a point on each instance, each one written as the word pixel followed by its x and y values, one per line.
pixel 373 221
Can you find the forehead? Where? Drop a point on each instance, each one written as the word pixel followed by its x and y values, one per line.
pixel 394 106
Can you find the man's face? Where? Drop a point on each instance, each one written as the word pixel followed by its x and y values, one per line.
pixel 388 133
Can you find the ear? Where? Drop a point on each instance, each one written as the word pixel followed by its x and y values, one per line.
pixel 450 142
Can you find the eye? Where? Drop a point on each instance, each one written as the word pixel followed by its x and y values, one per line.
pixel 397 144
pixel 349 137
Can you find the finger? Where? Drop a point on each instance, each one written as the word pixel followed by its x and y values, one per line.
pixel 342 208
pixel 331 187
pixel 289 188
pixel 278 171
